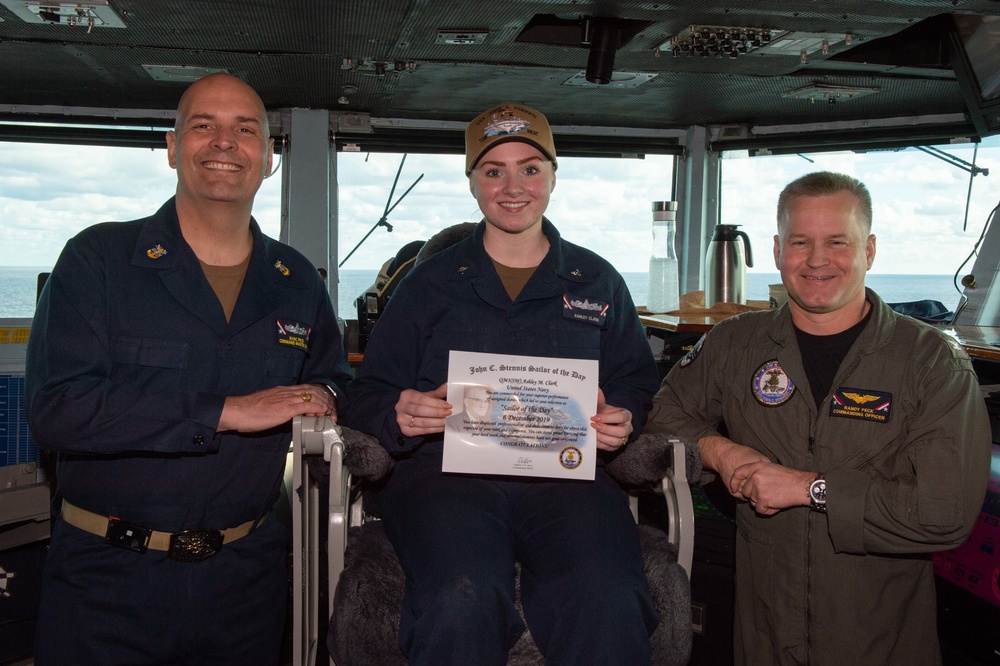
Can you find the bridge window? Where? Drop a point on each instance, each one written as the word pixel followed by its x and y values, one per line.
pixel 918 213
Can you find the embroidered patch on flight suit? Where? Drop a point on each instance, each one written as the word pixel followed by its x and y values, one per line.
pixel 156 251
pixel 861 404
pixel 584 309
pixel 688 358
pixel 293 334
pixel 771 386
pixel 570 457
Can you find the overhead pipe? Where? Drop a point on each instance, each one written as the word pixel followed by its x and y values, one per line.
pixel 602 35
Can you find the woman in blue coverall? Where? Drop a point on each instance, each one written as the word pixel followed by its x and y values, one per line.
pixel 503 291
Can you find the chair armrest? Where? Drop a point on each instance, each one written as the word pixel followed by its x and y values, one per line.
pixel 320 435
pixel 364 456
pixel 314 436
pixel 642 463
pixel 680 507
pixel 665 464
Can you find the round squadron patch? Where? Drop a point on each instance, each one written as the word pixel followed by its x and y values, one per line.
pixel 771 386
pixel 570 457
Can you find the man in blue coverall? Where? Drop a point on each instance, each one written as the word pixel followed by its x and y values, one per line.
pixel 166 360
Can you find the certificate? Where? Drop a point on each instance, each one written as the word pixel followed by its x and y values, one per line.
pixel 521 415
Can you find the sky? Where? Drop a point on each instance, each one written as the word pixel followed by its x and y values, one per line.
pixel 48 192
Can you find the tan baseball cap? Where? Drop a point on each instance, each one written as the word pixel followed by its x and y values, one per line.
pixel 507 122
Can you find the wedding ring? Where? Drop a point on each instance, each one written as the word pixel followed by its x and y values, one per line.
pixel 306 396
pixel 411 421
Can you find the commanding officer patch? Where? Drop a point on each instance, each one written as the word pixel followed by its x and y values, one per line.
pixel 861 404
pixel 693 354
pixel 771 386
pixel 293 334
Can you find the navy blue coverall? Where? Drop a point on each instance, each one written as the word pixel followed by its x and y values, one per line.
pixel 458 536
pixel 130 360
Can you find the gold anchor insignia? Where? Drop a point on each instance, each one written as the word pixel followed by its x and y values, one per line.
pixel 156 251
pixel 282 268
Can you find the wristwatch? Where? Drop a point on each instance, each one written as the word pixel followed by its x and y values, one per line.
pixel 817 494
pixel 333 392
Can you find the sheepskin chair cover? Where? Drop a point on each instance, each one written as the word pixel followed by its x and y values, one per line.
pixel 364 628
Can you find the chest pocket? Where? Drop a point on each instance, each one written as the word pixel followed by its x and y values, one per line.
pixel 149 353
pixel 284 365
pixel 575 340
pixel 149 363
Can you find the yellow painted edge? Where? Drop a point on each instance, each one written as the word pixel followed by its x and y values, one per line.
pixel 12 336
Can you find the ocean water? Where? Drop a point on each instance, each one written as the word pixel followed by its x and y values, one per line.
pixel 17 289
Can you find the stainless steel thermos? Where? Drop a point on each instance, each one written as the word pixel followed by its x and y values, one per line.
pixel 726 266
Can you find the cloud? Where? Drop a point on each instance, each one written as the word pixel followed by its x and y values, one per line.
pixel 918 203
pixel 48 193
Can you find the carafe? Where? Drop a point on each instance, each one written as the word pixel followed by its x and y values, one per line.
pixel 726 266
pixel 663 293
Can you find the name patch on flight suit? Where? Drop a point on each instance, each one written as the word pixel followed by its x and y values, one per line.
pixel 581 308
pixel 861 404
pixel 771 386
pixel 293 334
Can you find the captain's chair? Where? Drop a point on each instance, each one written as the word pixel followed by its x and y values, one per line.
pixel 366 581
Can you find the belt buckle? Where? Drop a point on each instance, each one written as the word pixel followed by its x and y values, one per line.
pixel 194 545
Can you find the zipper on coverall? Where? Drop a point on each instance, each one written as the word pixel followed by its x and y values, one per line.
pixel 812 442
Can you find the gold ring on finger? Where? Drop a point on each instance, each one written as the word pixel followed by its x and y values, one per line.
pixel 306 396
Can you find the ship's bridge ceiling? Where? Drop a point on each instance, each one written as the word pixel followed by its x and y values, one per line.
pixel 738 67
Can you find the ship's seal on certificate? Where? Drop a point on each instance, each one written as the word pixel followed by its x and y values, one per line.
pixel 570 457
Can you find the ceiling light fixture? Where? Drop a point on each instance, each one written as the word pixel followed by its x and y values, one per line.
pixel 91 14
pixel 461 37
pixel 833 94
pixel 378 67
pixel 180 73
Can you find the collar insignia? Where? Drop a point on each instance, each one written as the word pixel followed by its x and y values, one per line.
pixel 576 272
pixel 282 268
pixel 155 252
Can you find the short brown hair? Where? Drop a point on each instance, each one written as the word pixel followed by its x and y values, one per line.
pixel 821 183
